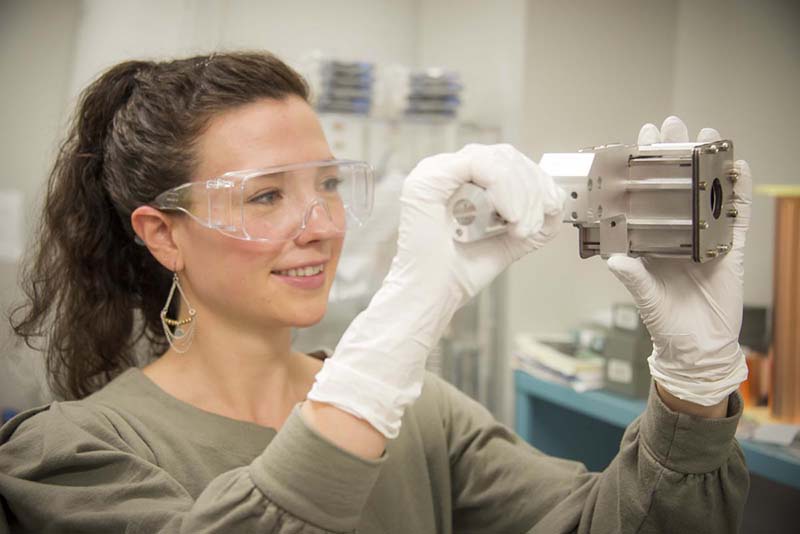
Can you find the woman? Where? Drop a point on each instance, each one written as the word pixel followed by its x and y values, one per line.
pixel 196 214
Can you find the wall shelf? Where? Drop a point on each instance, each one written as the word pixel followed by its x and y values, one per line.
pixel 561 421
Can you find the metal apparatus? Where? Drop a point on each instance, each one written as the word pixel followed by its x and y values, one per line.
pixel 671 199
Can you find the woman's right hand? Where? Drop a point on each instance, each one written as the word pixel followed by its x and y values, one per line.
pixel 378 366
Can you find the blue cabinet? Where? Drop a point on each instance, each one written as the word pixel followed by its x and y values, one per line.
pixel 588 427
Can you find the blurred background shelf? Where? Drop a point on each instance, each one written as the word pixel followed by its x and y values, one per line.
pixel 562 422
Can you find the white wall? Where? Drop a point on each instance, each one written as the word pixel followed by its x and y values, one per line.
pixel 594 73
pixel 484 42
pixel 113 30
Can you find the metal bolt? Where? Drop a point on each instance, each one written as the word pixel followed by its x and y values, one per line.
pixel 733 175
pixel 723 248
pixel 733 212
pixel 712 253
pixel 703 225
pixel 725 146
pixel 703 185
pixel 713 149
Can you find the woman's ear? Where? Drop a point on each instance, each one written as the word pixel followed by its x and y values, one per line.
pixel 157 230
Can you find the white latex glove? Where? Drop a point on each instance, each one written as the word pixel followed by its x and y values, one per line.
pixel 378 366
pixel 693 311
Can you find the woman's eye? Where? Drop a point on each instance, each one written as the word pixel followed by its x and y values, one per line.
pixel 267 197
pixel 331 184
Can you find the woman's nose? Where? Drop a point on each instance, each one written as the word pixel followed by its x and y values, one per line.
pixel 318 223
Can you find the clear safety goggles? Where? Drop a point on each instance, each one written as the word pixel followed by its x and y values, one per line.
pixel 278 203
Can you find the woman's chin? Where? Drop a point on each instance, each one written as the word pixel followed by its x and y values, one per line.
pixel 305 323
pixel 307 318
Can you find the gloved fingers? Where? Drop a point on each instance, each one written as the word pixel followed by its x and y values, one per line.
pixel 673 130
pixel 646 290
pixel 436 178
pixel 742 202
pixel 546 202
pixel 556 197
pixel 708 135
pixel 649 135
pixel 743 187
pixel 541 185
pixel 532 216
pixel 549 229
pixel 500 170
pixel 515 185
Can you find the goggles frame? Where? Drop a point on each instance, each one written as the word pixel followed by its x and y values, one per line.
pixel 225 194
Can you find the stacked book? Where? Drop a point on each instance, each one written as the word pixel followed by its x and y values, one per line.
pixel 558 360
pixel 344 86
pixel 434 93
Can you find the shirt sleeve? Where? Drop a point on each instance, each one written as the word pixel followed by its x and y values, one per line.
pixel 62 470
pixel 673 473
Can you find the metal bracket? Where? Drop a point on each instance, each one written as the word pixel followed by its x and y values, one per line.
pixel 614 236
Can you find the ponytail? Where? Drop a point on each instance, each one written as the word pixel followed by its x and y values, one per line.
pixel 82 282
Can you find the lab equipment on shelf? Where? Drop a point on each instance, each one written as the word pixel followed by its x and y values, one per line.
pixel 434 92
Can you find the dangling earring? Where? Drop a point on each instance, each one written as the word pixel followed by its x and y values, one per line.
pixel 181 338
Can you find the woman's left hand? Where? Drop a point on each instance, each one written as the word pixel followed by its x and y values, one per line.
pixel 693 311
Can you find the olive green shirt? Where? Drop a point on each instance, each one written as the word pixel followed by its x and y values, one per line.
pixel 133 459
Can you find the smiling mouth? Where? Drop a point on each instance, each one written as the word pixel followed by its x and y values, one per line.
pixel 311 270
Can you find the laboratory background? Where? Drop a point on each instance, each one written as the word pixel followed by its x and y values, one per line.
pixel 554 348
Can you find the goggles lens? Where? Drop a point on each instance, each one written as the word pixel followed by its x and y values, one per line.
pixel 280 203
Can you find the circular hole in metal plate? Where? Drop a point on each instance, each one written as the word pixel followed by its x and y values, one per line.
pixel 464 212
pixel 716 198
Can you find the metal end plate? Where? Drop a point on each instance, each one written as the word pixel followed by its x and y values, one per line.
pixel 712 194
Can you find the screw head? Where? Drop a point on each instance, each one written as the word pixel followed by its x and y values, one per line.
pixel 712 253
pixel 703 225
pixel 733 212
pixel 703 185
pixel 713 149
pixel 725 146
pixel 733 175
pixel 723 248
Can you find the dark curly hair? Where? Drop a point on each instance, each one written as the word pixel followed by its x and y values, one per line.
pixel 94 294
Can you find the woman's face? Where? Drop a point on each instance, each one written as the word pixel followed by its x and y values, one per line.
pixel 246 282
